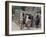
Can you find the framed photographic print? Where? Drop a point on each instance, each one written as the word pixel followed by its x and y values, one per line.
pixel 24 18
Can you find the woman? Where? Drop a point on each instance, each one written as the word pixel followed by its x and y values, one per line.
pixel 37 21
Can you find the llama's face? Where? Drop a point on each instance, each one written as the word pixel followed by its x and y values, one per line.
pixel 27 19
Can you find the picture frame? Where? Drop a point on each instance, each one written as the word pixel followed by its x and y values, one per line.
pixel 14 12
